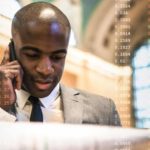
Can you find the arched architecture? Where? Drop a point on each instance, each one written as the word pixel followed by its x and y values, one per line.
pixel 100 31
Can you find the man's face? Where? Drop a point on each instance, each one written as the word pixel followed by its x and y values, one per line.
pixel 41 51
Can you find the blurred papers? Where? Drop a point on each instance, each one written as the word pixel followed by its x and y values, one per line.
pixel 46 136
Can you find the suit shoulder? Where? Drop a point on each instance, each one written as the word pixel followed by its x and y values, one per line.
pixel 87 96
pixel 96 98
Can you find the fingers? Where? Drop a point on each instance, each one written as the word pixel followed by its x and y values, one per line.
pixel 12 65
pixel 18 82
pixel 11 69
pixel 11 73
pixel 14 72
pixel 18 79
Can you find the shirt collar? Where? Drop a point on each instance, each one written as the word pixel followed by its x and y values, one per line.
pixel 48 100
pixel 22 97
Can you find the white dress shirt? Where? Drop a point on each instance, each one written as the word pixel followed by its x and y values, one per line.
pixel 51 106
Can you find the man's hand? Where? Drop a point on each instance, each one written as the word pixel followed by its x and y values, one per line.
pixel 10 79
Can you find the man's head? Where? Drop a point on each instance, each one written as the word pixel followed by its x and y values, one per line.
pixel 40 32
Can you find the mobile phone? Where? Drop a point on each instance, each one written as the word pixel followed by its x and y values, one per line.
pixel 12 53
pixel 12 56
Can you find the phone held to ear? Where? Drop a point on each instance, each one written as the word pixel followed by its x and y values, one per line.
pixel 12 51
pixel 12 56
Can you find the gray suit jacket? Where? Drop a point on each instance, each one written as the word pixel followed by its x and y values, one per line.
pixel 82 107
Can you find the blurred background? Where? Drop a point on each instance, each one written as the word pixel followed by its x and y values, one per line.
pixel 109 51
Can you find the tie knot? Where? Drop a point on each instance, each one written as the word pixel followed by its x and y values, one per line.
pixel 33 100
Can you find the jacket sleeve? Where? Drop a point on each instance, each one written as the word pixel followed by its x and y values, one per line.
pixel 6 116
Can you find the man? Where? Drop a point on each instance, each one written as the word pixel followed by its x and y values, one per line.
pixel 40 35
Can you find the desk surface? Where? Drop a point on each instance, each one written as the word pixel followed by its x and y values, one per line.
pixel 48 136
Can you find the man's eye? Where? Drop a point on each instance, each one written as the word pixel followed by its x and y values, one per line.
pixel 32 55
pixel 58 56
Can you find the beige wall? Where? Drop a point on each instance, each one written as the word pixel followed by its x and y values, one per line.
pixel 5 24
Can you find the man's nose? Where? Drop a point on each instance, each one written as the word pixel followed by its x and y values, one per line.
pixel 45 66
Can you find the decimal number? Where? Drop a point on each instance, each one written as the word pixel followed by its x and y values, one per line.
pixel 123 6
pixel 122 47
pixel 125 40
pixel 125 26
pixel 123 0
pixel 127 19
pixel 123 12
pixel 125 54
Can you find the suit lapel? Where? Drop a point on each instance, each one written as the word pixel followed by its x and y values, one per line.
pixel 72 103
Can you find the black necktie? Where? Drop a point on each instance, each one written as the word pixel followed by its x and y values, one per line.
pixel 36 113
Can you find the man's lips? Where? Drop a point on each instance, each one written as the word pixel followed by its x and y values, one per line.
pixel 42 85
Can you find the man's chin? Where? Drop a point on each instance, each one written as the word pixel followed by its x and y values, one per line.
pixel 40 93
pixel 39 89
